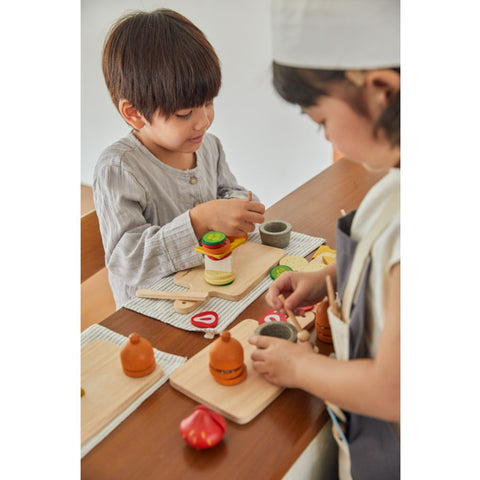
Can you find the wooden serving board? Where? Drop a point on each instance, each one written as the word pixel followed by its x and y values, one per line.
pixel 251 262
pixel 239 403
pixel 108 391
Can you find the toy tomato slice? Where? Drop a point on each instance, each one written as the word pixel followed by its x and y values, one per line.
pixel 203 428
pixel 205 319
pixel 272 316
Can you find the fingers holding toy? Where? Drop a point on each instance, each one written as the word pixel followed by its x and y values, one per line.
pixel 235 217
pixel 299 289
pixel 278 360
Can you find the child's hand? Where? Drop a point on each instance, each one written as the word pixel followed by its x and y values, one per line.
pixel 235 217
pixel 278 360
pixel 299 288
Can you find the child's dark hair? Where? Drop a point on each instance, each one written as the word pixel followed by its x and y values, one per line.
pixel 303 86
pixel 159 61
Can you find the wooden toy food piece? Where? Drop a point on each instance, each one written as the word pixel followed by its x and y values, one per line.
pixel 295 262
pixel 205 319
pixel 326 254
pixel 226 360
pixel 313 266
pixel 277 270
pixel 137 356
pixel 218 260
pixel 322 324
pixel 272 315
pixel 203 429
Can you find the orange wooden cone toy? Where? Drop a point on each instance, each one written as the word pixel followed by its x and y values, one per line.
pixel 137 356
pixel 226 360
pixel 322 324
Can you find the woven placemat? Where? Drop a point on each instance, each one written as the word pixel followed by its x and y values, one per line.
pixel 168 362
pixel 163 310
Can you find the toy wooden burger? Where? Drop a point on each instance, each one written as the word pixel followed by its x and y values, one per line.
pixel 226 360
pixel 137 356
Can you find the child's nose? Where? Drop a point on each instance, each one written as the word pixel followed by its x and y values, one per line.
pixel 204 118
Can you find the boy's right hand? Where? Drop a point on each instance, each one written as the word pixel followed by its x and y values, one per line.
pixel 234 217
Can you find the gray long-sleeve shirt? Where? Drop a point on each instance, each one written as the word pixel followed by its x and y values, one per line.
pixel 143 210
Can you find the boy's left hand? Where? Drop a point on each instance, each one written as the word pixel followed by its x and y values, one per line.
pixel 278 360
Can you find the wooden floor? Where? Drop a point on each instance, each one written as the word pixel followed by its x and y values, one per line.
pixel 97 298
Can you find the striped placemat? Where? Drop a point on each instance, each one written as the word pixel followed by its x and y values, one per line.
pixel 163 310
pixel 168 362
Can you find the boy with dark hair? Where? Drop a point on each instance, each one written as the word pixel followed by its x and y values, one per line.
pixel 158 190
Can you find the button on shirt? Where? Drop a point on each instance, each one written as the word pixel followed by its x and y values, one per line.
pixel 142 206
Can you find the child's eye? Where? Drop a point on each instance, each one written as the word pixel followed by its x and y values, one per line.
pixel 184 116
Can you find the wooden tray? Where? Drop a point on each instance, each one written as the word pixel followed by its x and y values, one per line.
pixel 251 262
pixel 238 403
pixel 108 391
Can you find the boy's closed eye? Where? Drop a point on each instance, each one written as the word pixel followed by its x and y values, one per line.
pixel 183 115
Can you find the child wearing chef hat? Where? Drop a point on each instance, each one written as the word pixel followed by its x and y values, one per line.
pixel 339 61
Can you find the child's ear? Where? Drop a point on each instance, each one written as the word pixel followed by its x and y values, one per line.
pixel 130 114
pixel 380 86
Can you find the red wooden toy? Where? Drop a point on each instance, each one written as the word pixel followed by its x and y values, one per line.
pixel 272 316
pixel 203 429
pixel 207 319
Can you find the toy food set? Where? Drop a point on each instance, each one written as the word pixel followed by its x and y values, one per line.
pixel 203 429
pixel 226 360
pixel 239 403
pixel 217 249
pixel 251 261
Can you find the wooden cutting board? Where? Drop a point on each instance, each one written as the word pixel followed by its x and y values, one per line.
pixel 239 403
pixel 108 391
pixel 251 262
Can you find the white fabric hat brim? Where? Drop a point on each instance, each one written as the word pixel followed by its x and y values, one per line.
pixel 336 34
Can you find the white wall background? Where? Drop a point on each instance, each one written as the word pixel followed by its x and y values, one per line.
pixel 270 147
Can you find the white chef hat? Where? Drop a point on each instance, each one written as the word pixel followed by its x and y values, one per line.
pixel 336 34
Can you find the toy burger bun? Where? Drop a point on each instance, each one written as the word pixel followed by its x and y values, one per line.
pixel 137 356
pixel 226 360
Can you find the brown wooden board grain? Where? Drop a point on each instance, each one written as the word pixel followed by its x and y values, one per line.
pixel 108 391
pixel 239 403
pixel 251 263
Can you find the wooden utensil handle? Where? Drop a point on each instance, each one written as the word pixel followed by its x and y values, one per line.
pixel 290 314
pixel 187 296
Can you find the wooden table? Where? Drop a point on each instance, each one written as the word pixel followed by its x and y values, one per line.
pixel 147 445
